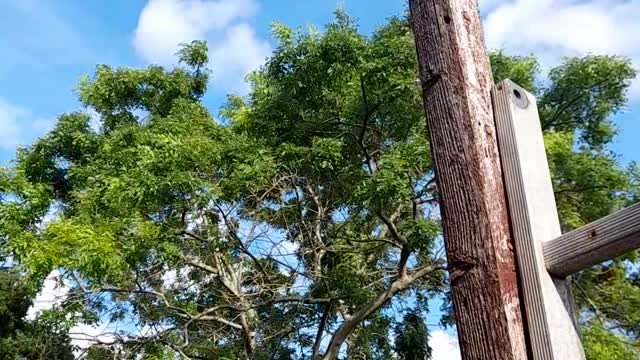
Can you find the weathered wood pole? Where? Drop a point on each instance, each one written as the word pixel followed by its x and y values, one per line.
pixel 457 81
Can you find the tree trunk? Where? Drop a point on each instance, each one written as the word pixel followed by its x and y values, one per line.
pixel 456 80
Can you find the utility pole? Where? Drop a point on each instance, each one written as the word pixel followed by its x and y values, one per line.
pixel 456 80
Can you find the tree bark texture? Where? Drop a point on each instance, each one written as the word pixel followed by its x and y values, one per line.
pixel 456 80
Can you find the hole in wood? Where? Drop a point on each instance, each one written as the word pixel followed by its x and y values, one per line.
pixel 517 94
pixel 447 19
pixel 519 97
pixel 592 234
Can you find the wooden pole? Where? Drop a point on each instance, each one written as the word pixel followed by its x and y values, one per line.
pixel 456 80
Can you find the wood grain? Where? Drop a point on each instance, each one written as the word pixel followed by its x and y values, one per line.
pixel 457 81
pixel 548 304
pixel 594 243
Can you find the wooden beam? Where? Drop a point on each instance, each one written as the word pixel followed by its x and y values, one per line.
pixel 594 243
pixel 534 221
pixel 456 82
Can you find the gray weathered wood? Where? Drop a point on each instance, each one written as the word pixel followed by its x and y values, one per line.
pixel 594 243
pixel 456 80
pixel 534 221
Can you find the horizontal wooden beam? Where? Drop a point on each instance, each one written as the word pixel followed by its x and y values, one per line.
pixel 594 243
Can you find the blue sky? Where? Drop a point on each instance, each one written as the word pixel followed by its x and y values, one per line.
pixel 47 45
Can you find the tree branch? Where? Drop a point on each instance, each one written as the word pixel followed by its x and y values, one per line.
pixel 562 108
pixel 323 323
pixel 234 235
pixel 350 323
pixel 391 226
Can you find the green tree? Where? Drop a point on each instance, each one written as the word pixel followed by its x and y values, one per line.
pixel 23 339
pixel 601 343
pixel 412 338
pixel 297 225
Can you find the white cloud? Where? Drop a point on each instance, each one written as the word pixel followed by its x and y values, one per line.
pixel 551 29
pixel 179 278
pixel 19 125
pixel 169 279
pixel 95 120
pixel 163 24
pixel 53 293
pixel 85 335
pixel 445 346
pixel 235 49
pixel 237 54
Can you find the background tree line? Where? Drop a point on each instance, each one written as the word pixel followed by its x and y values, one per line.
pixel 302 223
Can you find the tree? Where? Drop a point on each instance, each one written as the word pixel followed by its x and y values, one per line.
pixel 412 341
pixel 300 224
pixel 23 339
pixel 600 343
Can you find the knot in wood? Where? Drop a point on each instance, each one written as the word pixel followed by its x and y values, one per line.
pixel 460 266
pixel 430 81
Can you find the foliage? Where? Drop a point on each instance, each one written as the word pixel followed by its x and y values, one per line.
pixel 295 226
pixel 23 339
pixel 412 341
pixel 520 69
pixel 603 344
pixel 15 301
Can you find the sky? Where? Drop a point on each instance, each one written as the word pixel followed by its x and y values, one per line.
pixel 47 45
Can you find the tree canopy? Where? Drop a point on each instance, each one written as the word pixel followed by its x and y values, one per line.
pixel 303 222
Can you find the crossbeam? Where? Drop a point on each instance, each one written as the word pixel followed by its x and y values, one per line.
pixel 599 241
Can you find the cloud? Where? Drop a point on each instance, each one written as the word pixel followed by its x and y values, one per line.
pixel 444 345
pixel 239 53
pixel 105 331
pixel 179 278
pixel 235 49
pixel 19 125
pixel 53 293
pixel 85 335
pixel 552 29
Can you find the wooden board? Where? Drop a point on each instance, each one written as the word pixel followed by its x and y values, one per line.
pixel 594 243
pixel 534 222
